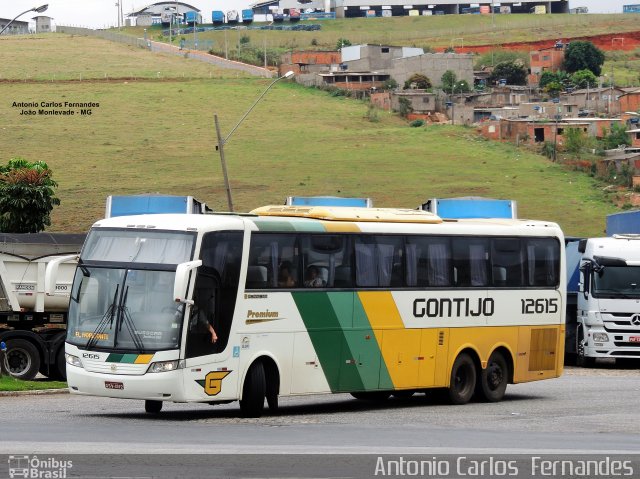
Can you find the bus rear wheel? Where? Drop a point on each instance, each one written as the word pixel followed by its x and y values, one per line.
pixel 254 391
pixel 152 407
pixel 463 380
pixel 494 378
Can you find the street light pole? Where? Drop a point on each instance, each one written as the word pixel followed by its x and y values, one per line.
pixel 223 141
pixel 39 9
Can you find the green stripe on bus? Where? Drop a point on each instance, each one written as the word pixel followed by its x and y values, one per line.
pixel 360 320
pixel 328 339
pixel 346 346
pixel 122 358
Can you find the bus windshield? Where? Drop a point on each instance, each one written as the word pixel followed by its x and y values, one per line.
pixel 122 294
pixel 617 282
pixel 124 309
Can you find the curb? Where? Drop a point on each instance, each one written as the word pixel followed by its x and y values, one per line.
pixel 35 392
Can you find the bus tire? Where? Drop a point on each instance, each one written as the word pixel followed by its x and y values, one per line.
pixel 22 359
pixel 152 407
pixel 272 387
pixel 493 378
pixel 254 391
pixel 463 380
pixel 582 360
pixel 59 370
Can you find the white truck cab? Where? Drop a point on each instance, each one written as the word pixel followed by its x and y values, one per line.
pixel 608 313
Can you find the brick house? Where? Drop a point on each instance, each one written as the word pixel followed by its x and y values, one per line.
pixel 547 60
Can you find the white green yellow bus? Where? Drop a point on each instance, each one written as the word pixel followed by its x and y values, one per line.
pixel 309 300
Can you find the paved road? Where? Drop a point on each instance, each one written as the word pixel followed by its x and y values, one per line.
pixel 583 411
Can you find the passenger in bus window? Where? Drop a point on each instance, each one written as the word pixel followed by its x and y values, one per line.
pixel 285 276
pixel 314 280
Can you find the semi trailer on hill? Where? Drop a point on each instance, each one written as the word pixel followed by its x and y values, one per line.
pixel 33 324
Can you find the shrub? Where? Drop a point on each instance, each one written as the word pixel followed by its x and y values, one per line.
pixel 416 123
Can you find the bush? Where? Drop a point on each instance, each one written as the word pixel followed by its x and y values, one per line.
pixel 405 107
pixel 416 123
pixel 548 149
pixel 373 113
pixel 419 81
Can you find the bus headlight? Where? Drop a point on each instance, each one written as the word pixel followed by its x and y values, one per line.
pixel 73 360
pixel 164 366
pixel 600 337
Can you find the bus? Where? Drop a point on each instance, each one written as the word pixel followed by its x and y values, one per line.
pixel 289 300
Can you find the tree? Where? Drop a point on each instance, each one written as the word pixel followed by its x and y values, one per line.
pixel 553 89
pixel 450 83
pixel 419 81
pixel 513 72
pixel 616 136
pixel 546 78
pixel 27 196
pixel 584 79
pixel 342 42
pixel 583 56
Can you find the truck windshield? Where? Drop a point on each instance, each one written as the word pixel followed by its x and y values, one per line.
pixel 617 282
pixel 124 309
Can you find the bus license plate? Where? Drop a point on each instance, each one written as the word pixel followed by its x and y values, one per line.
pixel 113 385
pixel 634 339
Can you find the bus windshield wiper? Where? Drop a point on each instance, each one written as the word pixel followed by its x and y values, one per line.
pixel 124 317
pixel 107 318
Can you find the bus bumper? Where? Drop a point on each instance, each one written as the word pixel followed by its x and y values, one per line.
pixel 165 386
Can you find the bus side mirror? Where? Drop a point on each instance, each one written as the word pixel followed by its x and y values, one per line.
pixel 181 282
pixel 51 273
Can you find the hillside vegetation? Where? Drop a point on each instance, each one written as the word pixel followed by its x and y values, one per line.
pixel 157 135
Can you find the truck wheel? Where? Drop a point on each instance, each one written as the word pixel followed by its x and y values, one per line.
pixel 254 391
pixel 582 360
pixel 463 380
pixel 58 371
pixel 493 379
pixel 152 407
pixel 22 359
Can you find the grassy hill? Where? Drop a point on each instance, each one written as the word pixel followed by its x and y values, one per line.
pixel 436 31
pixel 156 134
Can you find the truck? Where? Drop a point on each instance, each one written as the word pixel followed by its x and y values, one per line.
pixel 217 17
pixel 232 16
pixel 606 322
pixel 247 16
pixel 627 222
pixel 471 207
pixel 33 324
pixel 128 205
pixel 192 18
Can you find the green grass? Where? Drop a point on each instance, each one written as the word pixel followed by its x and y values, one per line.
pixel 435 31
pixel 159 136
pixel 8 383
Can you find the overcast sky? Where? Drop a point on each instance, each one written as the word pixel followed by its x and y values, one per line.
pixel 103 13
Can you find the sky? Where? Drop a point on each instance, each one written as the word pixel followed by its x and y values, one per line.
pixel 104 13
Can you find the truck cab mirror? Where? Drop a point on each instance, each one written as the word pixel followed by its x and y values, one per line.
pixel 585 278
pixel 183 271
pixel 51 273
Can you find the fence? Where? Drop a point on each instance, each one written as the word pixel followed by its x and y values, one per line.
pixel 158 47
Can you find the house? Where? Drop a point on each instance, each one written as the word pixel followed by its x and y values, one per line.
pixel 635 137
pixel 546 60
pixel 17 27
pixel 528 131
pixel 598 100
pixel 630 101
pixel 306 64
pixel 43 24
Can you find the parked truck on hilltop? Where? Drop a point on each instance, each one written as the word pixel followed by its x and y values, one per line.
pixel 32 324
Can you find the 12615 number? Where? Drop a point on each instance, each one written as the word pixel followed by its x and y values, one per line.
pixel 539 306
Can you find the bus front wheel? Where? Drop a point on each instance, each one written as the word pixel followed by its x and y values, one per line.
pixel 254 391
pixel 494 378
pixel 463 380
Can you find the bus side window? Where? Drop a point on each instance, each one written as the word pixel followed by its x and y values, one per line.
pixel 471 260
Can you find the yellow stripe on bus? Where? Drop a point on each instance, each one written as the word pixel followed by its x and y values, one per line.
pixel 143 359
pixel 401 348
pixel 340 227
